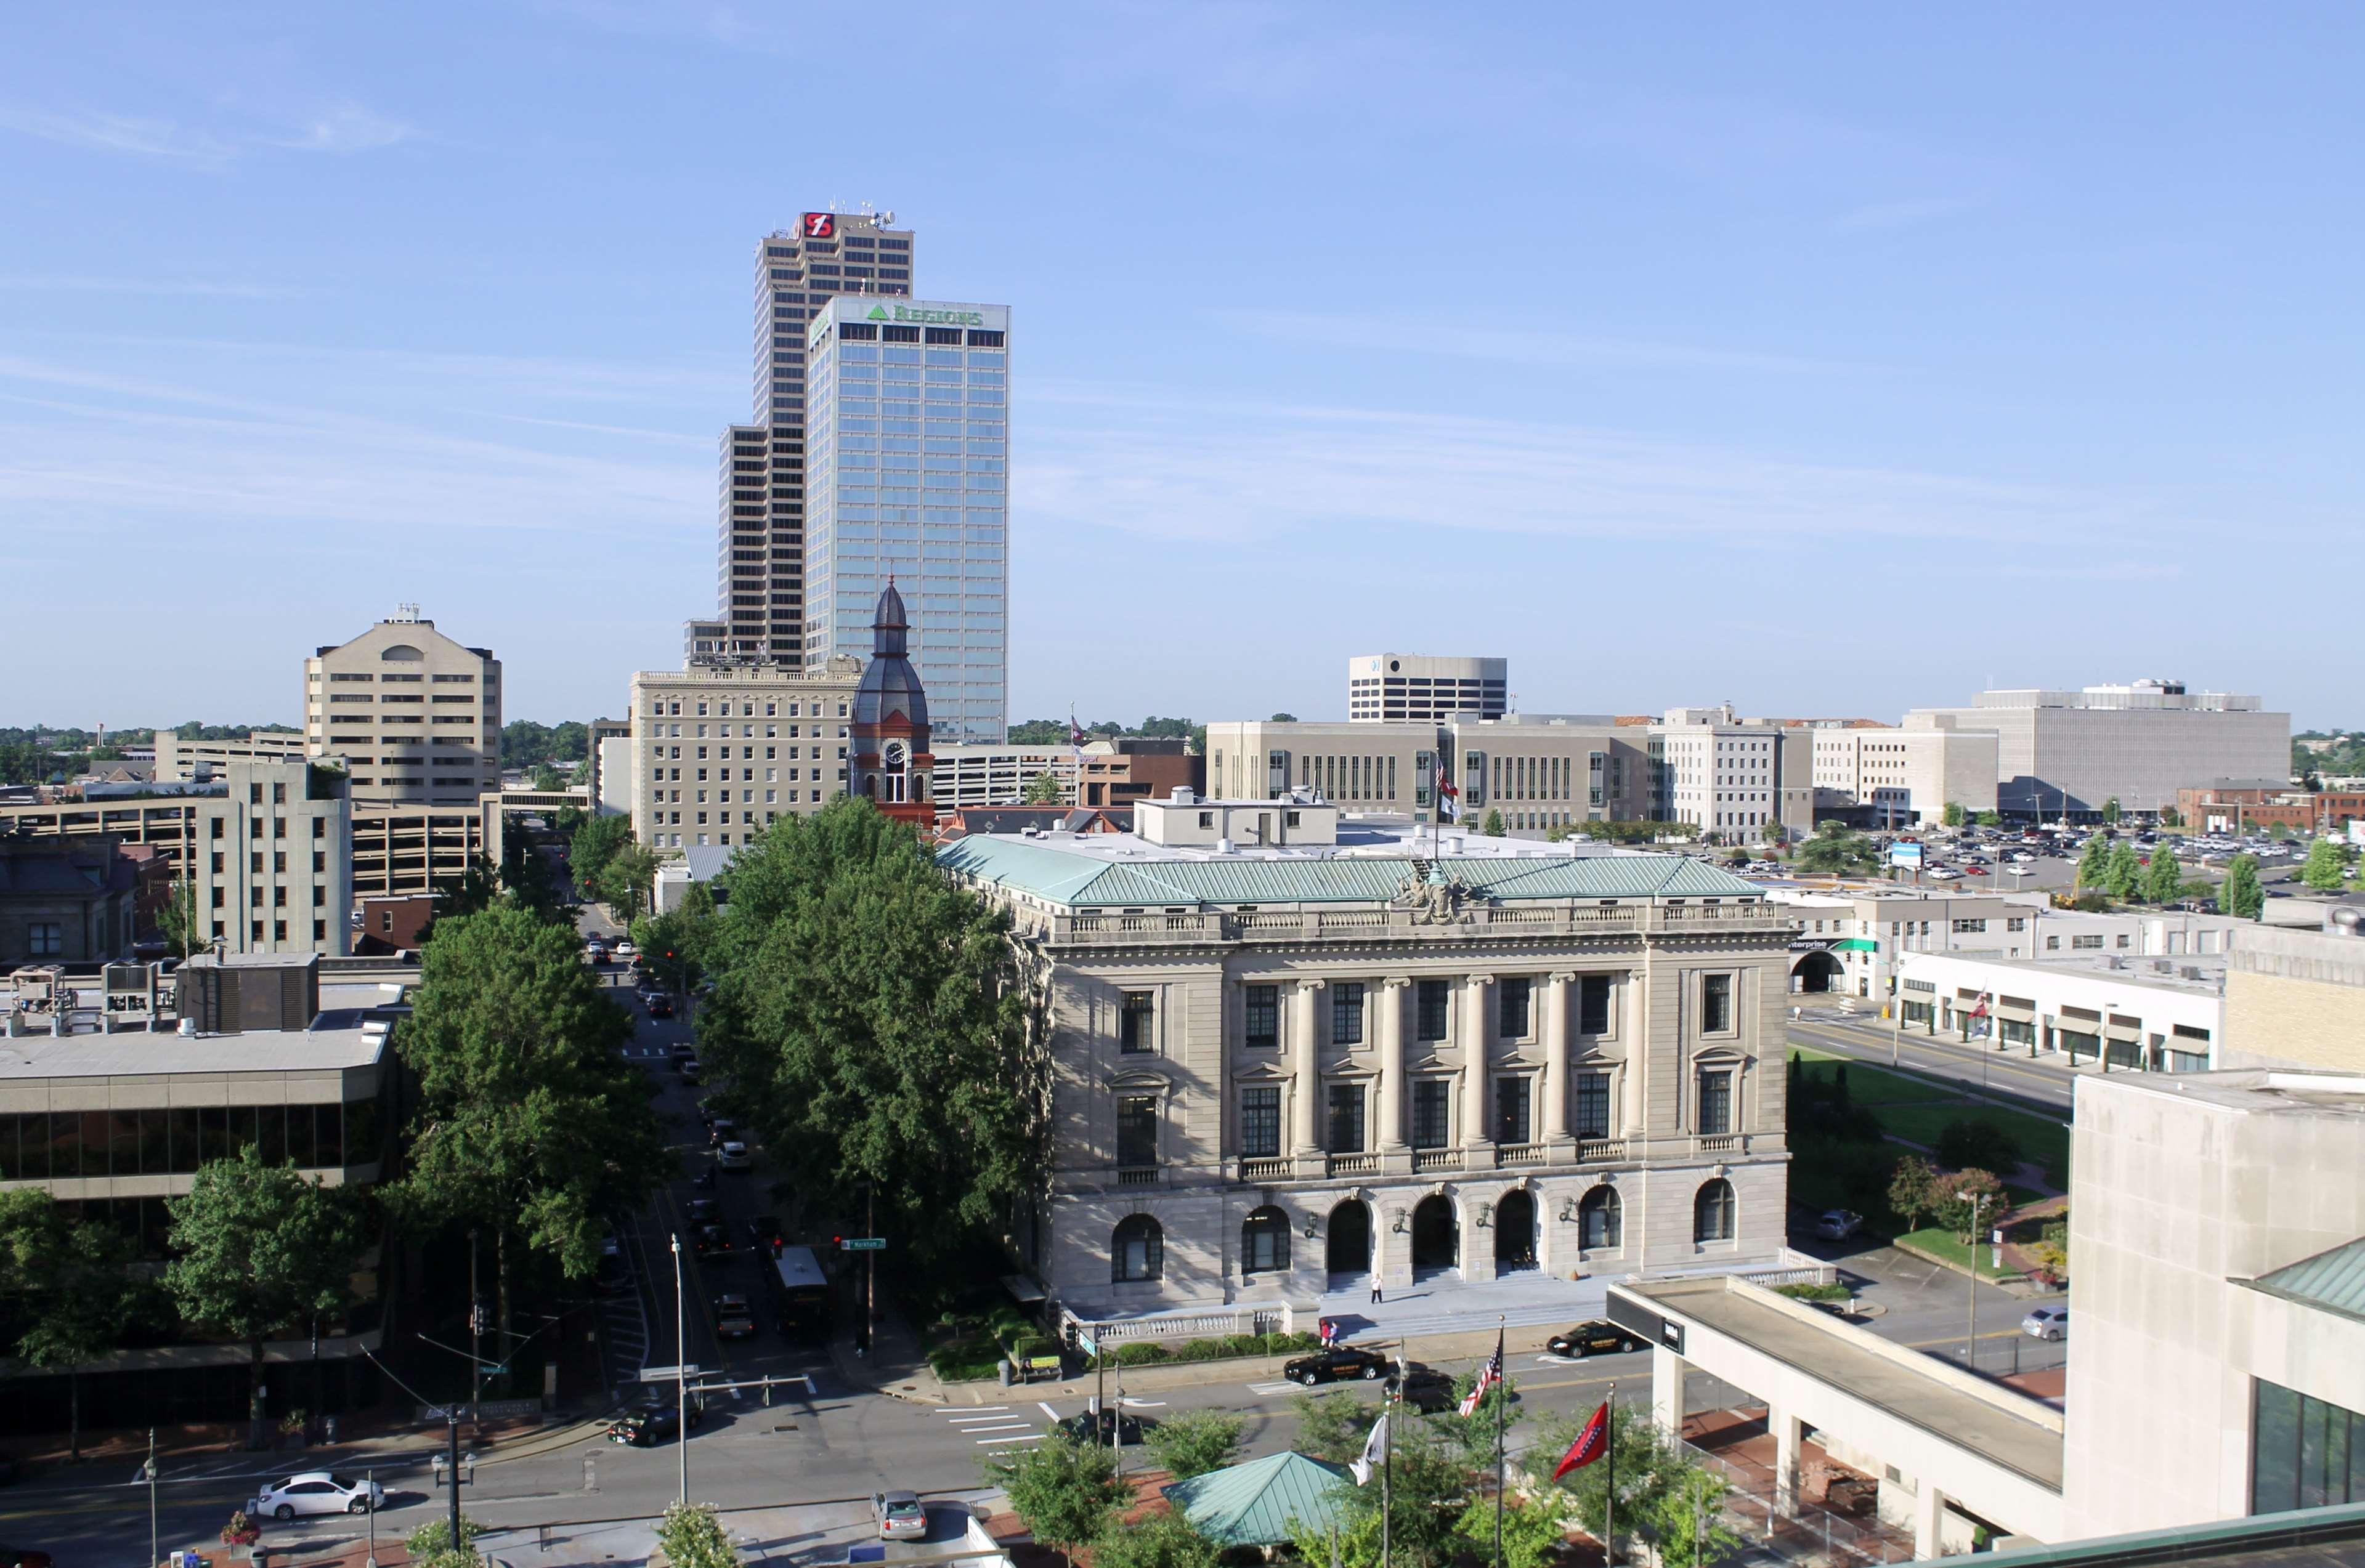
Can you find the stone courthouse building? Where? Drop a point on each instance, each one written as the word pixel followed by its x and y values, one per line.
pixel 1289 1052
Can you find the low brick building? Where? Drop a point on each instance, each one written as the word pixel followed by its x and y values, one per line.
pixel 2233 805
pixel 65 900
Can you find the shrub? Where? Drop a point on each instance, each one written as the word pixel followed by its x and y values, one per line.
pixel 1201 1350
pixel 693 1537
pixel 1834 1292
pixel 1972 1141
pixel 1142 1353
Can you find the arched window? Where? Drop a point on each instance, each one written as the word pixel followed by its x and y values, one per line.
pixel 1712 1211
pixel 1138 1251
pixel 1601 1220
pixel 1264 1241
pixel 401 653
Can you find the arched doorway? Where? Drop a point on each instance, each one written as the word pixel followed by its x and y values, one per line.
pixel 1515 1230
pixel 1436 1238
pixel 1348 1250
pixel 1815 974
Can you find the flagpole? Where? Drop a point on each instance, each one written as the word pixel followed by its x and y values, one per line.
pixel 1502 1480
pixel 1609 1485
pixel 1387 1467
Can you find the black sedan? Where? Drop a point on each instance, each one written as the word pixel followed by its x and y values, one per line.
pixel 660 1003
pixel 713 1241
pixel 1336 1363
pixel 1596 1337
pixel 1127 1429
pixel 652 1424
pixel 1428 1390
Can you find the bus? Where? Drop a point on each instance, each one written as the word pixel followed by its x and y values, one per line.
pixel 799 1291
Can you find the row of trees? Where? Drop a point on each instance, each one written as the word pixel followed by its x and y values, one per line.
pixel 525 743
pixel 610 864
pixel 2115 869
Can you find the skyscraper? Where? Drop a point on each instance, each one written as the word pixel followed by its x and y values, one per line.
pixel 759 553
pixel 906 437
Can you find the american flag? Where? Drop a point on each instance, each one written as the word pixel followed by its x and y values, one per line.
pixel 1449 799
pixel 1488 1376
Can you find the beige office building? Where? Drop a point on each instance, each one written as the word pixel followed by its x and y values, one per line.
pixel 271 864
pixel 722 751
pixel 1423 689
pixel 1738 778
pixel 177 761
pixel 1282 1063
pixel 1899 777
pixel 1541 771
pixel 416 715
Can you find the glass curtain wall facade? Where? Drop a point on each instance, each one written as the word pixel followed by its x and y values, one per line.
pixel 907 443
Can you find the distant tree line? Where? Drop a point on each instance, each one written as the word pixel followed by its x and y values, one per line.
pixel 1054 732
pixel 525 743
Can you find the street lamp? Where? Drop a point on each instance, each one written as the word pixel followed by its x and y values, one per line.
pixel 148 1473
pixel 1971 1324
pixel 681 1370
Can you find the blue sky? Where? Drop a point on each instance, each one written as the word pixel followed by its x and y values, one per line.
pixel 1829 360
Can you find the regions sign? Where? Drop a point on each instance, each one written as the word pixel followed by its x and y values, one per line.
pixel 930 318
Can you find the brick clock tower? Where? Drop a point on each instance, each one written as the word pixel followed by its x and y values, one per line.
pixel 891 766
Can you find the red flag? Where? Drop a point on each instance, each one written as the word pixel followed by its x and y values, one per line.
pixel 1590 1444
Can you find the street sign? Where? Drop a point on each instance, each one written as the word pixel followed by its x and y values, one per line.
pixel 862 1243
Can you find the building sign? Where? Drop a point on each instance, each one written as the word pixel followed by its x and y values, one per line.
pixel 1813 943
pixel 1908 854
pixel 936 317
pixel 820 226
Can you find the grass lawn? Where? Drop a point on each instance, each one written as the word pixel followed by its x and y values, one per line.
pixel 1940 1242
pixel 2041 1139
pixel 1873 1085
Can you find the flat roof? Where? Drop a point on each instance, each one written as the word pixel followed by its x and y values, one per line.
pixel 2134 969
pixel 2253 1091
pixel 337 1040
pixel 1834 1353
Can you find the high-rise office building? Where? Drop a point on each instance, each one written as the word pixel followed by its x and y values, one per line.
pixel 1384 688
pixel 416 715
pixel 907 436
pixel 759 552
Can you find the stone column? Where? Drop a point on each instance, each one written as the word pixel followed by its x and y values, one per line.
pixel 1476 1063
pixel 1667 1370
pixel 1929 1513
pixel 1557 1079
pixel 1305 1000
pixel 1787 1434
pixel 1391 1142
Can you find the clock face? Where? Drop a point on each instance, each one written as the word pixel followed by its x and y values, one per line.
pixel 895 753
pixel 820 225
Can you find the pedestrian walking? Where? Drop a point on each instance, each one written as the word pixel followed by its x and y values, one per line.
pixel 1375 1288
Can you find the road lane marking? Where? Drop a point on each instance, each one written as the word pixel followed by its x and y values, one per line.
pixel 1271 1388
pixel 1020 1437
pixel 975 1407
pixel 1143 1404
pixel 1045 1406
pixel 1014 1426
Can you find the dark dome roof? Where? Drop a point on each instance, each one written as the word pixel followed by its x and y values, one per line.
pixel 890 688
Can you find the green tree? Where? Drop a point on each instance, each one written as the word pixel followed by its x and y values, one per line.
pixel 676 943
pixel 624 882
pixel 1913 1191
pixel 530 1126
pixel 596 842
pixel 1535 1528
pixel 1951 814
pixel 2164 878
pixel 1652 1468
pixel 1195 1442
pixel 2110 812
pixel 1333 1427
pixel 1989 819
pixel 693 1537
pixel 2327 867
pixel 1686 1523
pixel 2240 893
pixel 1430 1484
pixel 546 777
pixel 871 1018
pixel 261 1250
pixel 1044 789
pixel 1835 850
pixel 2094 864
pixel 1283 719
pixel 1969 1201
pixel 177 920
pixel 2123 873
pixel 1493 826
pixel 1065 1493
pixel 1165 1540
pixel 67 1288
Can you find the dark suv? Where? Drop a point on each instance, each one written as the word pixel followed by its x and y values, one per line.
pixel 1333 1364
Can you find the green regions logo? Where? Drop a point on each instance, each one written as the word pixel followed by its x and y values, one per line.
pixel 932 318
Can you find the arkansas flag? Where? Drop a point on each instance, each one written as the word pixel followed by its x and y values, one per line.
pixel 1590 1444
pixel 1449 799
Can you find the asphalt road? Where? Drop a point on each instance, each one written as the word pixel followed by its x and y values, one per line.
pixel 2044 1084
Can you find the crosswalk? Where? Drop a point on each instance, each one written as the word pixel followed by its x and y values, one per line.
pixel 996 1426
pixel 1267 1390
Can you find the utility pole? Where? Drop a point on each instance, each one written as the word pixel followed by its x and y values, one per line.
pixel 681 1370
pixel 452 1427
pixel 475 1345
pixel 1971 1321
pixel 150 1472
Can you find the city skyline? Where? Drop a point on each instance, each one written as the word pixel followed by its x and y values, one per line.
pixel 1823 328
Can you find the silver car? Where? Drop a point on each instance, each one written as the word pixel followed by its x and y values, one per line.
pixel 317 1492
pixel 2047 1323
pixel 899 1515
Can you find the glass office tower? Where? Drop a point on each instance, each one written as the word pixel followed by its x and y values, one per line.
pixel 906 462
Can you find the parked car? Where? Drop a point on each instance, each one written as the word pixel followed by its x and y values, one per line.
pixel 659 1004
pixel 1598 1337
pixel 1838 1225
pixel 1335 1363
pixel 1127 1428
pixel 653 1423
pixel 733 1156
pixel 1426 1389
pixel 733 1319
pixel 1945 874
pixel 316 1492
pixel 2047 1323
pixel 899 1516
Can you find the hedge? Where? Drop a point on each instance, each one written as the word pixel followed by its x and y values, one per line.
pixel 1146 1352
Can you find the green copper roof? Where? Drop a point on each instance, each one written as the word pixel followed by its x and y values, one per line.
pixel 1252 1504
pixel 2332 1279
pixel 1083 879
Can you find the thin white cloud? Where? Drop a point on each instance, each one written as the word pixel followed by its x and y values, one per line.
pixel 341 128
pixel 196 287
pixel 1396 336
pixel 347 128
pixel 1900 213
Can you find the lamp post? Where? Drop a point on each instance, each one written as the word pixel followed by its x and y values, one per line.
pixel 681 1370
pixel 1971 1295
pixel 148 1473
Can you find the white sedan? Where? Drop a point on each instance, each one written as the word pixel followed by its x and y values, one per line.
pixel 733 1156
pixel 317 1492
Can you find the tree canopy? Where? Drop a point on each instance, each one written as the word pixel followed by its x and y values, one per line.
pixel 2326 867
pixel 2241 893
pixel 1064 1492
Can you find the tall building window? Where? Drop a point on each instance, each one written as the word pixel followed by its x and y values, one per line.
pixel 1593 1005
pixel 1430 1099
pixel 1716 1005
pixel 1346 1118
pixel 1511 1099
pixel 1716 1103
pixel 1264 1241
pixel 1259 1122
pixel 1435 999
pixel 1346 1013
pixel 1263 1012
pixel 1592 1105
pixel 2304 1453
pixel 1600 1219
pixel 1134 1020
pixel 1712 1211
pixel 1137 1129
pixel 1137 1249
pixel 1517 994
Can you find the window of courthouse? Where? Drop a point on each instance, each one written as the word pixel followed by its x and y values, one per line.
pixel 2305 1454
